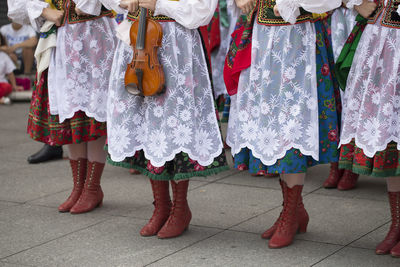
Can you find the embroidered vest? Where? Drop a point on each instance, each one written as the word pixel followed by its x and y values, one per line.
pixel 390 17
pixel 159 18
pixel 266 15
pixel 70 15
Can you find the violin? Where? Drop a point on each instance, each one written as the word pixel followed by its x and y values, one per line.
pixel 144 75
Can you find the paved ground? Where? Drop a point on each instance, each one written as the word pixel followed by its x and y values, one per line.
pixel 230 211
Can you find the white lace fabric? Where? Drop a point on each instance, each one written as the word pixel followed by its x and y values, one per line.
pixel 79 71
pixel 343 22
pixel 183 119
pixel 276 107
pixel 371 111
pixel 351 3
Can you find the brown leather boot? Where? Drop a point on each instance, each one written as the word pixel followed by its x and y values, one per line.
pixel 302 215
pixel 162 208
pixel 79 168
pixel 334 176
pixel 181 215
pixel 92 195
pixel 393 236
pixel 289 223
pixel 348 181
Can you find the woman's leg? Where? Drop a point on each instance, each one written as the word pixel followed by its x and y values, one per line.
pixel 92 195
pixel 78 162
pixel 393 236
pixel 293 216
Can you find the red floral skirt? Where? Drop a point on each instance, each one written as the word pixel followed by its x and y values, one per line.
pixel 384 164
pixel 44 127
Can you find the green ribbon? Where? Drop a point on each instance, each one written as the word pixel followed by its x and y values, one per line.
pixel 345 60
pixel 223 13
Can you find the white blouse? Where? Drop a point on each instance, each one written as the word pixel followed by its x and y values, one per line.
pixel 290 9
pixel 189 13
pixel 30 11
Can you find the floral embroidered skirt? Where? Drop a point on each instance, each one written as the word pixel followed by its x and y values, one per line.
pixel 180 168
pixel 44 127
pixel 385 163
pixel 329 117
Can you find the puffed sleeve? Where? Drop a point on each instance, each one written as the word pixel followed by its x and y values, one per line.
pixel 113 5
pixel 290 9
pixel 91 7
pixel 34 9
pixel 189 13
pixel 352 3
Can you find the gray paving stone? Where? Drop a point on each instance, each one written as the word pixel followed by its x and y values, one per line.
pixel 35 181
pixel 25 226
pixel 17 116
pixel 10 138
pixel 10 264
pixel 222 205
pixel 332 220
pixel 19 152
pixel 113 243
pixel 314 179
pixel 372 239
pixel 353 257
pixel 245 249
pixel 7 204
pixel 371 188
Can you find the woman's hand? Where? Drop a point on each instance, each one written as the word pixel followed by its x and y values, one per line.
pixel 53 15
pixel 366 8
pixel 245 5
pixel 18 88
pixel 130 5
pixel 150 4
pixel 276 11
pixel 80 12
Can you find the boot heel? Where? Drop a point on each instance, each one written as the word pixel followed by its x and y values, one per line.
pixel 303 228
pixel 100 204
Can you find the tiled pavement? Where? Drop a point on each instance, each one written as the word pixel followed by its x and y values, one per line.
pixel 230 210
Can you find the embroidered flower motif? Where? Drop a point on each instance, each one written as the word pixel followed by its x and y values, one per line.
pixel 158 111
pixel 172 122
pixel 249 130
pixel 182 135
pixel 268 141
pixel 120 139
pixel 292 130
pixel 203 143
pixel 158 143
pixel 371 133
pixel 77 45
pixel 185 115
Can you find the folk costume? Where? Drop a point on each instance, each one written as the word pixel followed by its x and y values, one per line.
pixel 173 136
pixel 69 98
pixel 343 21
pixel 371 130
pixel 283 111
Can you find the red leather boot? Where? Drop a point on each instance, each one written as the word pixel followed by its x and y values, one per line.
pixel 289 223
pixel 302 215
pixel 334 176
pixel 393 236
pixel 180 216
pixel 79 168
pixel 162 208
pixel 395 252
pixel 92 195
pixel 348 180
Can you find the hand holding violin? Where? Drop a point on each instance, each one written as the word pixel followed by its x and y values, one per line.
pixel 130 5
pixel 149 4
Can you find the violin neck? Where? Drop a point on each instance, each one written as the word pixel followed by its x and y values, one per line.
pixel 142 29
